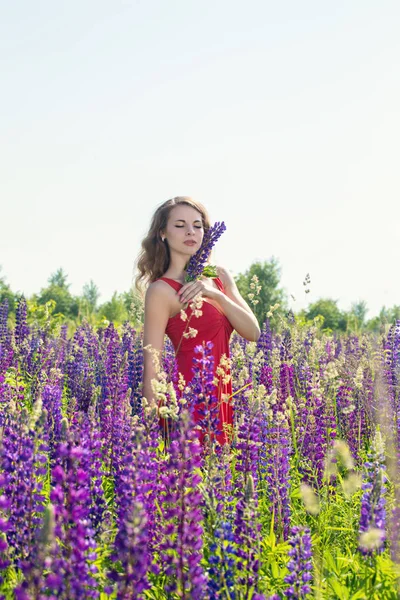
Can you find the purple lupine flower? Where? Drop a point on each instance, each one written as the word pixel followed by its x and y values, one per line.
pixel 202 398
pixel 348 416
pixel 22 330
pixel 37 359
pixel 266 378
pixel 51 398
pixel 218 512
pixel 33 568
pixel 6 392
pixel 22 463
pixel 112 407
pixel 169 362
pixel 89 436
pixel 222 561
pixel 274 469
pixel 285 347
pixel 239 368
pixel 130 546
pixel 132 344
pixel 264 342
pixel 181 548
pixel 300 564
pixel 197 263
pixel 316 430
pixel 373 511
pixel 80 367
pixel 247 526
pixel 71 571
pixel 286 381
pixel 137 494
pixel 4 333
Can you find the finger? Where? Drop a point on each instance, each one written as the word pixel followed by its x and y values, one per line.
pixel 189 295
pixel 185 297
pixel 185 287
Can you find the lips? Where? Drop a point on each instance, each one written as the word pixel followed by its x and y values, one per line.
pixel 190 243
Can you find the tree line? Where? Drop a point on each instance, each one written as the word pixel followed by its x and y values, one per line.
pixel 259 285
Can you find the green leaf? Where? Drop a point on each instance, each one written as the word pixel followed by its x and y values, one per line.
pixel 340 590
pixel 210 271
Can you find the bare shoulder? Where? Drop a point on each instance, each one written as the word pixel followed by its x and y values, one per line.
pixel 157 291
pixel 226 277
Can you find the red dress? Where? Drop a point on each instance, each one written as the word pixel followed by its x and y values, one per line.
pixel 212 326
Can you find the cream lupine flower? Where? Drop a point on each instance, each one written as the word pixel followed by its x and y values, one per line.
pixel 254 286
pixel 165 393
pixel 310 499
pixel 258 362
pixel 196 306
pixel 163 390
pixel 191 333
pixel 272 309
pixel 372 539
pixel 340 450
pixel 181 382
pixel 359 377
pixel 351 484
pixel 223 369
pixel 155 355
pixel 260 394
pixel 251 349
pixel 275 362
pixel 331 371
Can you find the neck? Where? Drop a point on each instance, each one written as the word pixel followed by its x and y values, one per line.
pixel 176 269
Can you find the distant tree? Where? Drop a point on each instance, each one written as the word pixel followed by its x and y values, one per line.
pixel 114 310
pixel 134 306
pixel 385 317
pixel 59 279
pixel 326 307
pixel 356 316
pixel 91 295
pixel 6 292
pixel 58 291
pixel 359 310
pixel 268 273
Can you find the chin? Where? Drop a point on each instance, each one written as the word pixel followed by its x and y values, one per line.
pixel 191 250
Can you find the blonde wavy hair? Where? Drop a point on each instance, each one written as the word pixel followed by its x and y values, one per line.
pixel 154 257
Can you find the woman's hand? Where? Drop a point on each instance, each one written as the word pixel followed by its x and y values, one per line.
pixel 201 287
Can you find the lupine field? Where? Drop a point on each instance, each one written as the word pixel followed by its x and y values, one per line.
pixel 95 502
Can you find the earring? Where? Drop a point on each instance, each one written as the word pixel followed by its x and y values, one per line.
pixel 163 239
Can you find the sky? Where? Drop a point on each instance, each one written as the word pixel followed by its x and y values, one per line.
pixel 282 118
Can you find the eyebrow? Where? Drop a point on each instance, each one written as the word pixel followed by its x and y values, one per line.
pixel 183 220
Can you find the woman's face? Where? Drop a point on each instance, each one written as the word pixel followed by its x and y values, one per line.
pixel 184 231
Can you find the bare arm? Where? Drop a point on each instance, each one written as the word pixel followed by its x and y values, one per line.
pixel 231 288
pixel 236 308
pixel 156 315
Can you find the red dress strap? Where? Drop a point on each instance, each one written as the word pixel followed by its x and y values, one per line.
pixel 219 284
pixel 175 284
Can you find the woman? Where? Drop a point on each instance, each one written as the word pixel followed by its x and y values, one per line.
pixel 175 235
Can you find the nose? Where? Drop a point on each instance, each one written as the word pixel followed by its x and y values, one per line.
pixel 190 230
